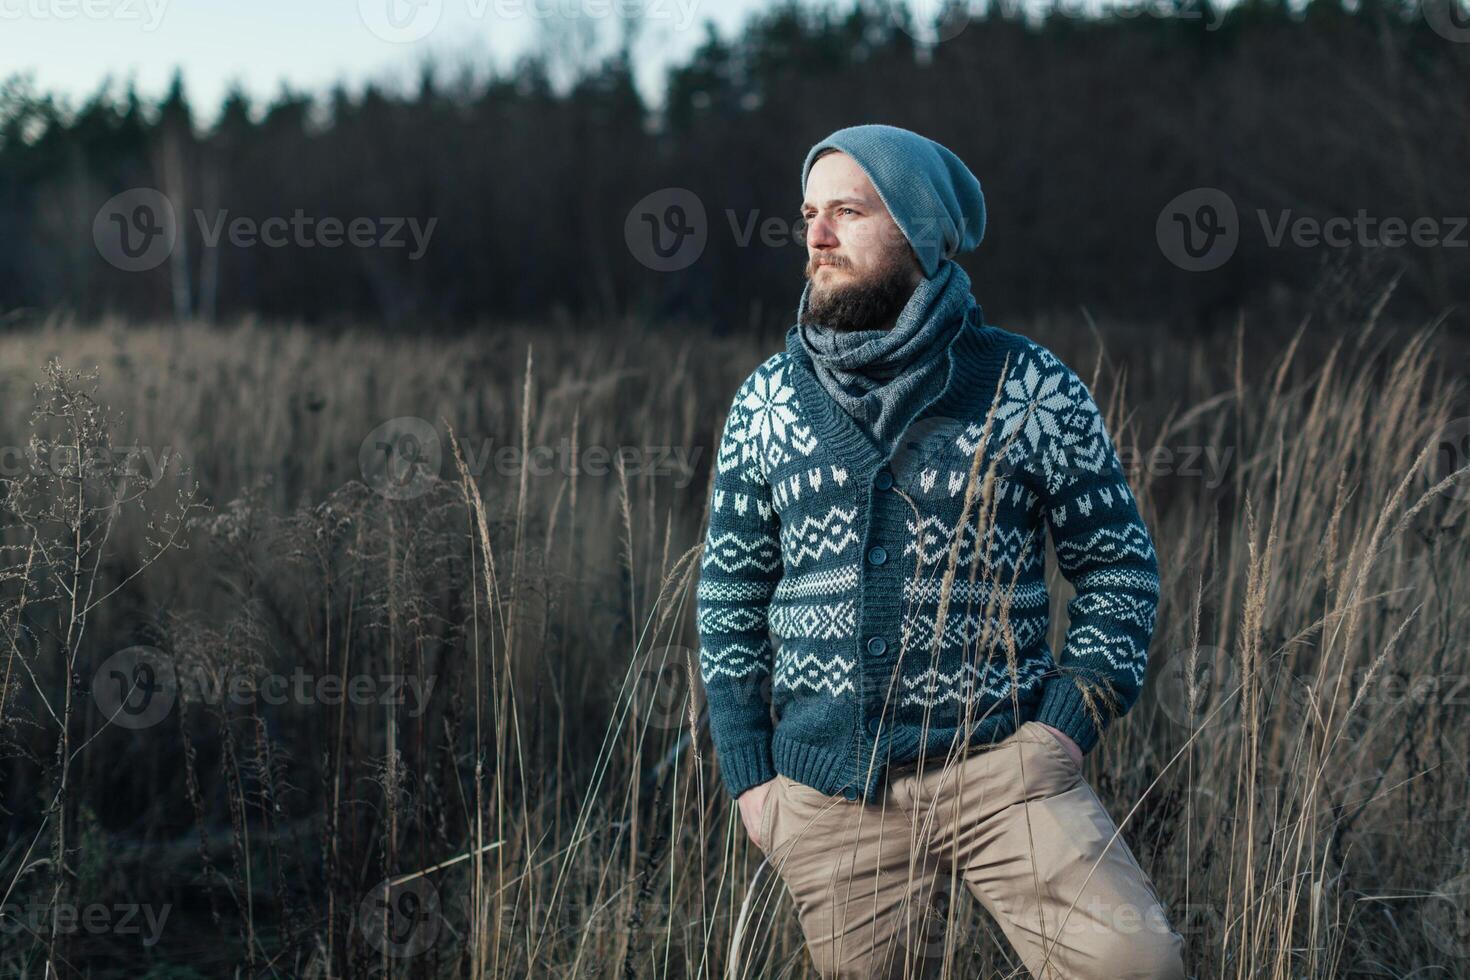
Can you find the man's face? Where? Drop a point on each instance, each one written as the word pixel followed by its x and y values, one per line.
pixel 861 267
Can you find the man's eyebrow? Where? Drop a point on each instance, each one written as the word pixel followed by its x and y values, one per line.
pixel 839 200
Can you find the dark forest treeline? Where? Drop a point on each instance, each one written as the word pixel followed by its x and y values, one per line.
pixel 1080 130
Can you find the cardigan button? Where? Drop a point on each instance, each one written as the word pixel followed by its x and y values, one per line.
pixel 877 555
pixel 873 725
pixel 876 645
pixel 884 481
pixel 850 793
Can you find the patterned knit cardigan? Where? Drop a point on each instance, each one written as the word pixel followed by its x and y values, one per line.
pixel 827 571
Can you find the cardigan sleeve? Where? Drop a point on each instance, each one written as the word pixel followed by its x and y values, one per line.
pixel 1105 552
pixel 740 568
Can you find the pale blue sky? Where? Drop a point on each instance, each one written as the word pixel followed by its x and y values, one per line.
pixel 70 45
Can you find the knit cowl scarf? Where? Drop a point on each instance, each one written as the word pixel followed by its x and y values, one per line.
pixel 883 378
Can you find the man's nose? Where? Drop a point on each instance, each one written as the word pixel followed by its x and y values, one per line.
pixel 819 233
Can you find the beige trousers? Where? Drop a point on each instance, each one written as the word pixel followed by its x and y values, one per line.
pixel 1016 822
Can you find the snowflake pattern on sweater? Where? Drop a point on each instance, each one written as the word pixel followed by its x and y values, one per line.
pixel 822 598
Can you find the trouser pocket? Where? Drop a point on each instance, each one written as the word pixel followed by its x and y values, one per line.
pixel 768 814
pixel 1054 743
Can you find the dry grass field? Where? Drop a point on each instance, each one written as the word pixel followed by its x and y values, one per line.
pixel 360 695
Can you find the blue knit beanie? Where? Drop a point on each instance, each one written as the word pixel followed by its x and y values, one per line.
pixel 933 197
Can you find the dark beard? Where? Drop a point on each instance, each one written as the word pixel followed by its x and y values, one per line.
pixel 869 305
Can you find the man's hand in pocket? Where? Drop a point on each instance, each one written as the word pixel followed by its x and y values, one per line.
pixel 752 805
pixel 1072 749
